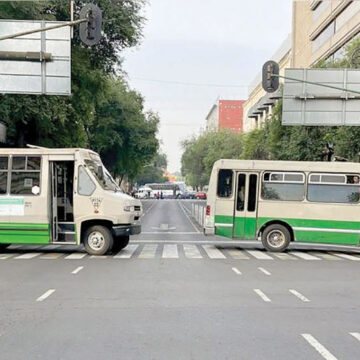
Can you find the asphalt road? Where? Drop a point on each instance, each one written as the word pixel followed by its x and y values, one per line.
pixel 175 294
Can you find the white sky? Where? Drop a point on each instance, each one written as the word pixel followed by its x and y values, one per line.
pixel 213 42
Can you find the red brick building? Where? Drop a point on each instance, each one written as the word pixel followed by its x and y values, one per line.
pixel 226 114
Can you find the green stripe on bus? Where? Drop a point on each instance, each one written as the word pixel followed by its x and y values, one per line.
pixel 309 235
pixel 21 233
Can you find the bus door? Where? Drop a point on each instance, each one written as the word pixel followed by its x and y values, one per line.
pixel 62 202
pixel 245 209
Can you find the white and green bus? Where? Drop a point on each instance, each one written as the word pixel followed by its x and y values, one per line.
pixel 65 197
pixel 284 201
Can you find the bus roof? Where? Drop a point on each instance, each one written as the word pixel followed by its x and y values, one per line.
pixel 287 165
pixel 44 151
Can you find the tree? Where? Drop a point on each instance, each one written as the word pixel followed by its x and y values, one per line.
pixel 102 113
pixel 153 172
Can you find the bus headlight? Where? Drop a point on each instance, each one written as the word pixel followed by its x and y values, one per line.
pixel 129 208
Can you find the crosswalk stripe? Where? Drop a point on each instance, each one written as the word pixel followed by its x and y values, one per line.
pixel 260 255
pixel 148 252
pixel 98 257
pixel 325 256
pixel 127 252
pixel 347 256
pixel 284 256
pixel 355 335
pixel 213 252
pixel 27 256
pixel 170 252
pixel 192 252
pixel 325 353
pixel 304 255
pixel 51 256
pixel 75 256
pixel 237 254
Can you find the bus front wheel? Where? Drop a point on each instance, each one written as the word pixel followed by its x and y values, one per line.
pixel 120 242
pixel 98 240
pixel 276 238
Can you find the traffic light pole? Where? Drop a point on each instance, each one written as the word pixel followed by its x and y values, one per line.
pixel 318 84
pixel 69 23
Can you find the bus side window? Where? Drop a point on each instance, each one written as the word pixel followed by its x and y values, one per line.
pixel 225 183
pixel 25 175
pixel 85 185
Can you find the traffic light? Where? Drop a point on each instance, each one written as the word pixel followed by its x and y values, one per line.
pixel 90 31
pixel 270 76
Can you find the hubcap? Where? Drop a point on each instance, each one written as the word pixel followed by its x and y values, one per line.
pixel 276 238
pixel 96 240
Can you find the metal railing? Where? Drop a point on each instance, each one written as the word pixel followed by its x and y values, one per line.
pixel 198 212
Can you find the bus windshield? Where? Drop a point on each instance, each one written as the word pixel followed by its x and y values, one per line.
pixel 102 175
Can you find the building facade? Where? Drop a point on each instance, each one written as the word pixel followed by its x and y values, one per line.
pixel 320 30
pixel 226 114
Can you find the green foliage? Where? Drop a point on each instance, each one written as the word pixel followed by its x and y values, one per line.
pixel 102 113
pixel 201 152
pixel 153 172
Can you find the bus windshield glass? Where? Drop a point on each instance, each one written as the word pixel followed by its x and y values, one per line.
pixel 102 175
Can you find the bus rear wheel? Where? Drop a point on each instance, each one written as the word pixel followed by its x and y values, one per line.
pixel 276 238
pixel 98 240
pixel 120 242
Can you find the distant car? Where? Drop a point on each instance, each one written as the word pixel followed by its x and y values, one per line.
pixel 200 195
pixel 144 193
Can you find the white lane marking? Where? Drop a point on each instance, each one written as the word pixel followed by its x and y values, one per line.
pixel 170 252
pixel 127 252
pixel 299 295
pixel 268 273
pixel 355 335
pixel 262 295
pixel 27 256
pixel 325 256
pixel 148 252
pixel 192 252
pixel 347 256
pixel 98 257
pixel 45 295
pixel 326 354
pixel 51 256
pixel 237 254
pixel 213 252
pixel 259 255
pixel 304 255
pixel 75 256
pixel 188 217
pixel 284 256
pixel 77 270
pixel 6 256
pixel 236 271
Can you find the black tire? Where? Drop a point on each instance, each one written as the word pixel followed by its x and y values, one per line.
pixel 3 246
pixel 276 238
pixel 98 240
pixel 120 242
